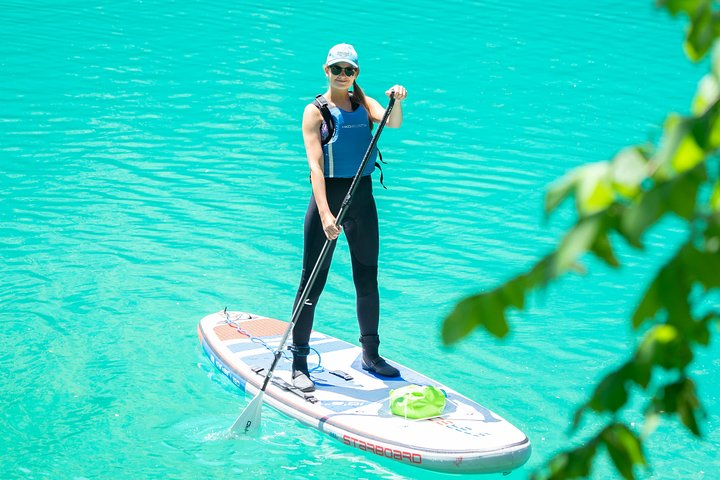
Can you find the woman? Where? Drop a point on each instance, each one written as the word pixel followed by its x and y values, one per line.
pixel 333 163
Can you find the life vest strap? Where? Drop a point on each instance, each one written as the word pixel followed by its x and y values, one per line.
pixel 322 105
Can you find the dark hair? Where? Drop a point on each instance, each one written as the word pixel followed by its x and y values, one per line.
pixel 359 97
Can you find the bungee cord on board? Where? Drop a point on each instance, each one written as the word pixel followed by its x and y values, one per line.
pixel 240 316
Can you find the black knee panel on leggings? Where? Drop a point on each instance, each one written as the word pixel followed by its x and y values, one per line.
pixel 365 279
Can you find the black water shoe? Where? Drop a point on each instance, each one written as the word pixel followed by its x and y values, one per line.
pixel 373 362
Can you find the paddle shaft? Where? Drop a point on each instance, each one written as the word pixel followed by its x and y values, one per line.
pixel 328 243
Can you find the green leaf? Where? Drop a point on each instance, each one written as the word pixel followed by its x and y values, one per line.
pixel 701 34
pixel 513 292
pixel 641 371
pixel 580 460
pixel 678 195
pixel 560 190
pixel 702 328
pixel 492 311
pixel 715 61
pixel 663 334
pixel 675 130
pixel 631 443
pixel 713 131
pixel 642 214
pixel 621 460
pixel 459 323
pixel 711 235
pixel 649 305
pixel 688 7
pixel 654 347
pixel 627 171
pixel 603 249
pixel 707 94
pixel 666 347
pixel 611 393
pixel 624 448
pixel 679 397
pixel 591 184
pixel 578 241
pixel 555 469
pixel 674 288
pixel 594 191
pixel 702 266
pixel 688 417
pixel 715 196
pixel 687 155
pixel 679 150
pixel 485 309
pixel 682 194
pixel 570 464
pixel 540 274
pixel 488 309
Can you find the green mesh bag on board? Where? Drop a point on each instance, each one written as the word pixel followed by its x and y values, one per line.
pixel 416 401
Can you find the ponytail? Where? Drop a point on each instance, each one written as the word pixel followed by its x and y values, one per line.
pixel 359 97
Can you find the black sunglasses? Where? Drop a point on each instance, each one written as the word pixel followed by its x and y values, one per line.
pixel 349 71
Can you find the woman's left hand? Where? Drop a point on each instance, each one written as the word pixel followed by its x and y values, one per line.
pixel 400 92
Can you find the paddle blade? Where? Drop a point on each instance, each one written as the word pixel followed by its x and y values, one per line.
pixel 249 420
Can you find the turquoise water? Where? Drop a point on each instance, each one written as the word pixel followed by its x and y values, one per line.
pixel 152 171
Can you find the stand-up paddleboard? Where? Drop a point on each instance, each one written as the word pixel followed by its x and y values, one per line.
pixel 352 405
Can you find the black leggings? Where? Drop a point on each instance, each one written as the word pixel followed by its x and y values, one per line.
pixel 361 229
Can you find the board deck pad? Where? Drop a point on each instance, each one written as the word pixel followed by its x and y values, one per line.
pixel 352 405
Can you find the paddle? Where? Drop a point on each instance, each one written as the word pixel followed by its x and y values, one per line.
pixel 249 420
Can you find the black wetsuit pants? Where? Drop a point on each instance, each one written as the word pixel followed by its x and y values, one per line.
pixel 360 226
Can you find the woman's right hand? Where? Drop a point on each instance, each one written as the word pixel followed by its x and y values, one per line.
pixel 328 223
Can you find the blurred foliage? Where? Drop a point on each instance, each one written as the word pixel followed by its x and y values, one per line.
pixel 622 199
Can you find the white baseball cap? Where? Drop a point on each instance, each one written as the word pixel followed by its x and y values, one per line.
pixel 342 52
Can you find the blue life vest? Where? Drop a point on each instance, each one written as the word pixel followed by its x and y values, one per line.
pixel 344 152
